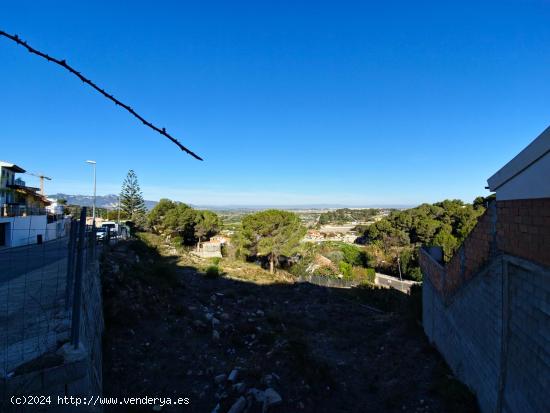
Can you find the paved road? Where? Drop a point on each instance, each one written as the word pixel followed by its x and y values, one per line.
pixel 393 282
pixel 33 316
pixel 20 260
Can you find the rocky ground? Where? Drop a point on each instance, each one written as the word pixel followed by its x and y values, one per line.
pixel 237 345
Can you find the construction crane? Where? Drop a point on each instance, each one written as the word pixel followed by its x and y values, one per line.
pixel 42 177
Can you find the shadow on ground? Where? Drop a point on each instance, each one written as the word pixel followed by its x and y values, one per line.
pixel 173 332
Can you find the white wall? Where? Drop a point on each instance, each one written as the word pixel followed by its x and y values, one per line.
pixel 534 182
pixel 57 229
pixel 23 230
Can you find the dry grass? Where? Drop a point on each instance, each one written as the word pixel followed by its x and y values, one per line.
pixel 231 268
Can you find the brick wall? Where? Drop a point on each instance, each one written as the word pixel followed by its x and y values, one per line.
pixel 523 229
pixel 433 270
pixel 520 228
pixel 472 255
pixel 488 310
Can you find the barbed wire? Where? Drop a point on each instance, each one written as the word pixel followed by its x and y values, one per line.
pixel 63 63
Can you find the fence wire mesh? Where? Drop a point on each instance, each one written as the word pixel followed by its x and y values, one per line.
pixel 48 295
pixel 32 296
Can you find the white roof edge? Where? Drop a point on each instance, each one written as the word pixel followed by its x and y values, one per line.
pixel 13 166
pixel 534 151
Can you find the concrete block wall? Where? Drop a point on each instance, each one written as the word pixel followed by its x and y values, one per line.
pixel 62 380
pixel 495 333
pixel 467 331
pixel 79 371
pixel 527 364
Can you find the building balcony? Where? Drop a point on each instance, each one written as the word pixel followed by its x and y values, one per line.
pixel 18 210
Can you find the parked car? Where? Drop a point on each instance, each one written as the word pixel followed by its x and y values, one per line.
pixel 100 233
pixel 111 226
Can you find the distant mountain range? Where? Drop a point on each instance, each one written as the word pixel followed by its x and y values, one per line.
pixel 102 201
pixel 111 202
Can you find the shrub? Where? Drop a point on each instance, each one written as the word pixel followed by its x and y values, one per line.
pixel 177 241
pixel 415 274
pixel 216 260
pixel 353 255
pixel 299 269
pixel 213 271
pixel 326 272
pixel 346 269
pixel 365 275
pixel 335 256
pixel 371 275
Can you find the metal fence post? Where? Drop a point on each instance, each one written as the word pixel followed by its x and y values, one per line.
pixel 70 263
pixel 77 298
pixel 94 242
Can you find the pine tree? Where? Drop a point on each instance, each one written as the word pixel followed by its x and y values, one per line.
pixel 131 199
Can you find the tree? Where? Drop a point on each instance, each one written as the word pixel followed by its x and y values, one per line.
pixel 425 230
pixel 156 216
pixel 445 239
pixel 131 199
pixel 207 224
pixel 115 214
pixel 180 221
pixel 341 216
pixel 445 223
pixel 271 233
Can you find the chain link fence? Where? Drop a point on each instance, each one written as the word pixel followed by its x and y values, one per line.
pixel 48 296
pixel 331 282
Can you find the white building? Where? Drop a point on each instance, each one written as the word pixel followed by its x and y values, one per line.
pixel 23 216
pixel 54 208
pixel 527 176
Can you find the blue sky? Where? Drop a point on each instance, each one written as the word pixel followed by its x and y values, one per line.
pixel 355 103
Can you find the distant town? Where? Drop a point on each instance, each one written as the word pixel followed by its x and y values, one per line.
pixel 19 200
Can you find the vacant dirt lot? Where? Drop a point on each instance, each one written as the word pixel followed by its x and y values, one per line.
pixel 258 344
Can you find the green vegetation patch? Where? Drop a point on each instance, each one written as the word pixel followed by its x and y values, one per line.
pixel 345 215
pixel 393 241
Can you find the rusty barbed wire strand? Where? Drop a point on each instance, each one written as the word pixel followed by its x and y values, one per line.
pixel 65 65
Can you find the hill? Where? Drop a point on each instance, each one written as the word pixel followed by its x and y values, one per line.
pixel 102 201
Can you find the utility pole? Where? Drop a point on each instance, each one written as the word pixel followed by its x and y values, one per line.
pixel 93 163
pixel 399 266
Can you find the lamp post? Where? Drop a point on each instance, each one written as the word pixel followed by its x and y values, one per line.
pixel 399 266
pixel 93 163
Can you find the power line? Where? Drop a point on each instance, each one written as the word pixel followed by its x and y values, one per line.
pixel 63 63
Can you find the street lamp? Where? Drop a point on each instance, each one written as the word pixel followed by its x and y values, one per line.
pixel 399 266
pixel 93 163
